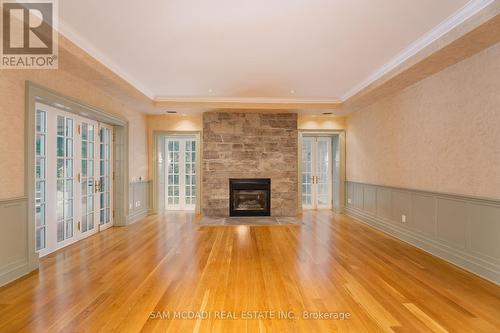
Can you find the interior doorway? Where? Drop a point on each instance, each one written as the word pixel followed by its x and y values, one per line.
pixel 321 170
pixel 317 172
pixel 180 173
pixel 177 171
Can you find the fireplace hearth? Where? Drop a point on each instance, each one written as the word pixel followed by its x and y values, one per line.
pixel 250 197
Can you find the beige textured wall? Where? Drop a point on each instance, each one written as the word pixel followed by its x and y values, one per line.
pixel 441 134
pixel 12 110
pixel 305 122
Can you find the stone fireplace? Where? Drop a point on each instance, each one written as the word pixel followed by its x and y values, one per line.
pixel 249 146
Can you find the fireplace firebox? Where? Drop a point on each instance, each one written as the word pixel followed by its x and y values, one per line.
pixel 250 197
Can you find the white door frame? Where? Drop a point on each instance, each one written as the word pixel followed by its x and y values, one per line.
pixel 51 192
pixel 106 187
pixel 315 171
pixel 95 175
pixel 158 193
pixel 78 176
pixel 338 164
pixel 182 140
pixel 329 175
pixel 37 93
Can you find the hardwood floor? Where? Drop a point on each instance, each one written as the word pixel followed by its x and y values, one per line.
pixel 131 279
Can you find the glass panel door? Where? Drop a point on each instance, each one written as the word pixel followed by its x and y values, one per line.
pixel 173 174
pixel 316 172
pixel 105 177
pixel 88 177
pixel 41 180
pixel 55 177
pixel 190 174
pixel 307 172
pixel 180 173
pixel 323 173
pixel 73 175
pixel 65 178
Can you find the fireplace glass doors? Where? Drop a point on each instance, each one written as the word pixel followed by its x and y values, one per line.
pixel 250 200
pixel 250 197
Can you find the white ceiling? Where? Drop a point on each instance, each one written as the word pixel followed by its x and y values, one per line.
pixel 257 48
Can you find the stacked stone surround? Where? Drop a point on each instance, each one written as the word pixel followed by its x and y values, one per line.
pixel 249 145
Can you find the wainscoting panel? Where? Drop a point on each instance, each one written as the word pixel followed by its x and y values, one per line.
pixel 13 240
pixel 358 196
pixel 384 203
pixel 423 219
pixel 452 222
pixel 370 199
pixel 139 200
pixel 484 222
pixel 460 229
pixel 401 205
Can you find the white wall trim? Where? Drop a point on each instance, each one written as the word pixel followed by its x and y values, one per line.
pixel 87 46
pixel 470 9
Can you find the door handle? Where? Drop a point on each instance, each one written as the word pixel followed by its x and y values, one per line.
pixel 97 186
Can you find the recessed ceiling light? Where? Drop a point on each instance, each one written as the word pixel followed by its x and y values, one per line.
pixel 292 91
pixel 210 91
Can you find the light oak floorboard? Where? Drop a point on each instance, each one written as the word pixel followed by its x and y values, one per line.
pixel 113 281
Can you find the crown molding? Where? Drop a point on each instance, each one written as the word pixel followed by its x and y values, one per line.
pixel 84 44
pixel 470 9
pixel 247 103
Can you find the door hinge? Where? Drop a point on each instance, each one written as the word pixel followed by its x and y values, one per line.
pixel 78 225
pixel 79 129
pixel 78 177
pixel 113 214
pixel 113 175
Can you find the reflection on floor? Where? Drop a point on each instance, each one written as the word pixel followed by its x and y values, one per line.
pixel 257 220
pixel 169 274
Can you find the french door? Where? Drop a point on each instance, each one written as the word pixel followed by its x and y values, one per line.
pixel 180 173
pixel 105 181
pixel 73 178
pixel 317 172
pixel 88 177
